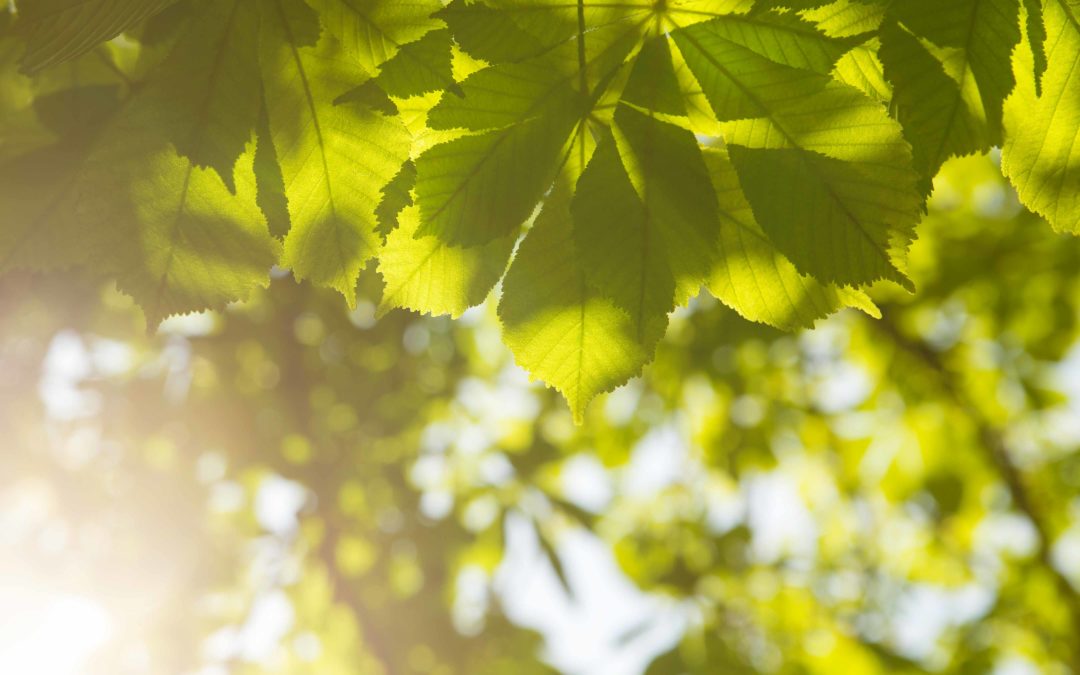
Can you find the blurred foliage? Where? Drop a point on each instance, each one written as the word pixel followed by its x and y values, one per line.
pixel 894 495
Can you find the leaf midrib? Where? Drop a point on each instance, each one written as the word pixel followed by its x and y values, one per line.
pixel 310 99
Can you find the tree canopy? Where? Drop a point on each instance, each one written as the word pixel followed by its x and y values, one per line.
pixel 813 257
pixel 606 162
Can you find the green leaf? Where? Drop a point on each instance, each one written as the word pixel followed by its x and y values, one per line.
pixel 984 31
pixel 930 105
pixel 60 30
pixel 790 4
pixel 396 195
pixel 653 84
pixel 206 96
pixel 645 218
pixel 586 47
pixel 427 275
pixel 174 236
pixel 1035 29
pixel 784 38
pixel 508 31
pixel 269 183
pixel 1040 156
pixel 558 327
pixel 371 32
pixel 755 279
pixel 39 184
pixel 480 187
pixel 425 134
pixel 847 204
pixel 370 95
pixel 838 199
pixel 335 159
pixel 862 69
pixel 497 36
pixel 41 230
pixel 739 82
pixel 824 221
pixel 420 67
pixel 504 95
pixel 844 18
pixel 681 13
pixel 417 68
pixel 621 246
pixel 38 194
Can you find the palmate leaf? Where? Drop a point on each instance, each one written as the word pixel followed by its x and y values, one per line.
pixel 319 134
pixel 334 159
pixel 1041 156
pixel 60 30
pixel 635 240
pixel 480 187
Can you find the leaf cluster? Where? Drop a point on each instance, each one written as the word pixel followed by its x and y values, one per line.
pixel 604 162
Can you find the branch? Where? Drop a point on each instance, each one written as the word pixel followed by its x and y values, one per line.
pixel 325 477
pixel 996 450
pixel 344 594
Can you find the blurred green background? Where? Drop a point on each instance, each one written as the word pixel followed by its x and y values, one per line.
pixel 290 488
